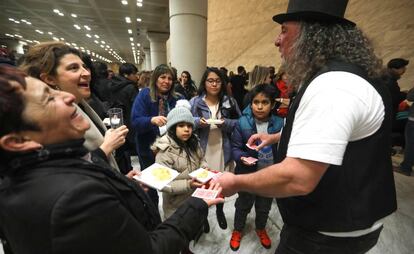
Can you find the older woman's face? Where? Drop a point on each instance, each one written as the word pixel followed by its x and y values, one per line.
pixel 164 83
pixel 54 112
pixel 72 76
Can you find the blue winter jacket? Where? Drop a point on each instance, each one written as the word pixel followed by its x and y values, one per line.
pixel 143 110
pixel 229 110
pixel 246 127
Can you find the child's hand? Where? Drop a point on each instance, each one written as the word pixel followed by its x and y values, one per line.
pixel 194 184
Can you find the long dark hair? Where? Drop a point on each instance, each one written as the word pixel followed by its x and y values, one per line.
pixel 190 147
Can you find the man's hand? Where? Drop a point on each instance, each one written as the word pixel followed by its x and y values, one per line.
pixel 210 202
pixel 265 140
pixel 227 182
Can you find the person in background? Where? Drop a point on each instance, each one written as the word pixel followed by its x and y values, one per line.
pixel 186 87
pixel 149 115
pixel 111 74
pixel 238 82
pixel 285 93
pixel 101 82
pixel 123 90
pixel 212 103
pixel 144 79
pixel 61 67
pixel 256 118
pixel 58 198
pixel 333 182
pixel 259 75
pixel 406 165
pixel 395 69
pixel 97 105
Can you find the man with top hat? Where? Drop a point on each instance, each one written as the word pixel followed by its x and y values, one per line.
pixel 333 175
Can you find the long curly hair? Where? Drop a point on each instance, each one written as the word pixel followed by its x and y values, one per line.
pixel 318 43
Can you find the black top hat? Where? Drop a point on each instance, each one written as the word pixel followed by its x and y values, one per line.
pixel 329 11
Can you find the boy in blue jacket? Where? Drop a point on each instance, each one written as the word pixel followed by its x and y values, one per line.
pixel 256 118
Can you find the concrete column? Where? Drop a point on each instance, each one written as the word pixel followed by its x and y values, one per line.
pixel 147 53
pixel 158 48
pixel 188 29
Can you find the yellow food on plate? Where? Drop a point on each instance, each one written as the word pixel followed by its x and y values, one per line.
pixel 161 174
pixel 202 174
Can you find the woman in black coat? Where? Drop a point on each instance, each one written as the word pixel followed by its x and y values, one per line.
pixel 57 198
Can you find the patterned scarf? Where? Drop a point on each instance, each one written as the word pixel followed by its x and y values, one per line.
pixel 163 106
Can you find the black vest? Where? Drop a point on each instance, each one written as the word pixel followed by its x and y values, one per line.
pixel 360 191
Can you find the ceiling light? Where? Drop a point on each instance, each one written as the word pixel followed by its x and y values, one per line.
pixel 139 44
pixel 139 1
pixel 88 35
pixel 124 2
pixel 11 19
pixel 87 27
pixel 17 22
pixel 132 44
pixel 55 38
pixel 77 26
pixel 62 39
pixel 74 15
pixel 139 19
pixel 139 4
pixel 102 46
pixel 131 39
pixel 97 42
pixel 56 11
pixel 50 33
pixel 61 14
pixel 38 31
pixel 130 31
pixel 96 36
pixel 128 19
pixel 103 42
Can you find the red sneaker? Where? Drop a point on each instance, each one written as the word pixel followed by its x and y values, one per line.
pixel 235 240
pixel 264 238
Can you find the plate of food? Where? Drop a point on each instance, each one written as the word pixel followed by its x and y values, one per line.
pixel 157 176
pixel 214 121
pixel 202 175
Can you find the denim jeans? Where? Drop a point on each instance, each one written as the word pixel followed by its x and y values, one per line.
pixel 408 161
pixel 295 240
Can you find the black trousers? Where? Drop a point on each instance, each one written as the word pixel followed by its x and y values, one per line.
pixel 244 204
pixel 295 240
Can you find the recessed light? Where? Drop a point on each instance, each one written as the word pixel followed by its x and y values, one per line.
pixel 74 15
pixel 139 4
pixel 130 31
pixel 139 19
pixel 128 19
pixel 88 35
pixel 96 36
pixel 124 2
pixel 131 39
pixel 50 33
pixel 56 11
pixel 38 31
pixel 97 42
pixel 61 14
pixel 87 27
pixel 77 26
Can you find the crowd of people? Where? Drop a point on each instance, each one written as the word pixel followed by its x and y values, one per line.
pixel 315 136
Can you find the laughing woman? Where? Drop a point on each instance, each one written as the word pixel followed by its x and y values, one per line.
pixel 62 68
pixel 55 200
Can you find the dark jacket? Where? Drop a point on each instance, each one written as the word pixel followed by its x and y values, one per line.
pixel 56 201
pixel 246 126
pixel 143 110
pixel 102 89
pixel 187 92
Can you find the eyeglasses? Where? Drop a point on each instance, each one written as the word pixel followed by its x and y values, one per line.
pixel 210 81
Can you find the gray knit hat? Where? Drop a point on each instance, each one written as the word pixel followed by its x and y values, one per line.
pixel 179 114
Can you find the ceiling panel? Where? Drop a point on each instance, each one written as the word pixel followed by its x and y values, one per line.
pixel 105 18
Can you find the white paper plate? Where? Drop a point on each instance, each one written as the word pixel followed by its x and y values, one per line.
pixel 157 176
pixel 200 175
pixel 214 121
